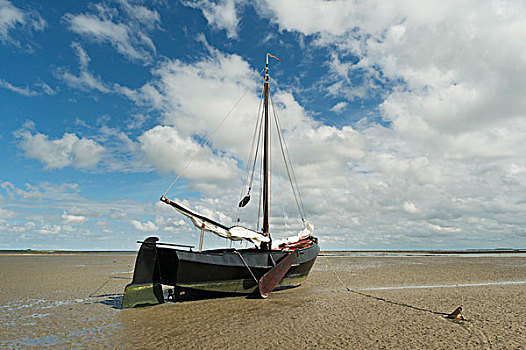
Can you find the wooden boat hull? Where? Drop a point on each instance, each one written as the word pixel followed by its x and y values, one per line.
pixel 208 274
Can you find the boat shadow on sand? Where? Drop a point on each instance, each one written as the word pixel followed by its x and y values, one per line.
pixel 115 300
pixel 112 300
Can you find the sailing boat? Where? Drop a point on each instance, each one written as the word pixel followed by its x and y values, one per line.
pixel 269 265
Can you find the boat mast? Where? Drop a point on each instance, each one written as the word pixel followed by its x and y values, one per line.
pixel 266 161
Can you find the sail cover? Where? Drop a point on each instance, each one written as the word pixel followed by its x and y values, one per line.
pixel 235 233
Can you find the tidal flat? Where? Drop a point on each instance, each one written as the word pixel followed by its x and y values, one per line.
pixel 58 300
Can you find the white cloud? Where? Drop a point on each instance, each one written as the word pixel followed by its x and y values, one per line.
pixel 171 224
pixel 448 74
pixel 60 217
pixel 446 167
pixel 313 16
pixel 70 150
pixel 85 80
pixel 165 149
pixel 144 226
pixel 41 88
pixel 127 35
pixel 410 208
pixel 49 229
pixel 73 219
pixel 222 15
pixel 178 91
pixel 43 190
pixel 339 107
pixel 9 17
pixel 12 17
pixel 323 155
pixel 6 214
pixel 439 50
pixel 22 91
pixel 124 154
pixel 149 18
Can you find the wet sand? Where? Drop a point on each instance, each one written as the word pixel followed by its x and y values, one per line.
pixel 73 301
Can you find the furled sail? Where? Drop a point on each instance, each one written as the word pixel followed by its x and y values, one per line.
pixel 307 231
pixel 235 233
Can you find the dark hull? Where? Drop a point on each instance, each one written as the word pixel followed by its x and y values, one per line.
pixel 207 274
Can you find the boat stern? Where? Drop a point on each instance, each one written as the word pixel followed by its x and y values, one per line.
pixel 145 288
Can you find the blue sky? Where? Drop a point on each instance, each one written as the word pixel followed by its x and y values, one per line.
pixel 405 121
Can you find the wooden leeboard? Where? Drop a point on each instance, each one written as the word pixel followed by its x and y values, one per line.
pixel 270 280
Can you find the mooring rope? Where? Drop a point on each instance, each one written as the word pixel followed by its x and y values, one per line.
pixel 380 298
pixel 100 287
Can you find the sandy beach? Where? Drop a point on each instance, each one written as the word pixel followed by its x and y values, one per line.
pixel 379 302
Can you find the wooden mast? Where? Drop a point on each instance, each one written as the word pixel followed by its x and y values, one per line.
pixel 266 162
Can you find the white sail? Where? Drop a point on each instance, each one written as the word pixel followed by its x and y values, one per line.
pixel 235 233
pixel 248 234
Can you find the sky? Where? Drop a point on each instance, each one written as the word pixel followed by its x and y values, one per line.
pixel 405 120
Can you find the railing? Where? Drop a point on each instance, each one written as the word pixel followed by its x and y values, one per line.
pixel 168 244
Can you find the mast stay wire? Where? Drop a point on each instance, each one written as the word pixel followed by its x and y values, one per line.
pixel 260 199
pixel 254 148
pixel 206 141
pixel 299 203
pixel 282 202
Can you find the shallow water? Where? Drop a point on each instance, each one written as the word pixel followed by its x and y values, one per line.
pixel 458 285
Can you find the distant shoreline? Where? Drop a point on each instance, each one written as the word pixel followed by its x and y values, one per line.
pixel 460 251
pixel 62 252
pixel 326 252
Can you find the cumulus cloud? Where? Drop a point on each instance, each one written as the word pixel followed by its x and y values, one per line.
pixel 168 151
pixel 446 76
pixel 127 33
pixel 6 214
pixel 49 229
pixel 450 83
pixel 70 150
pixel 55 215
pixel 177 91
pixel 144 226
pixel 73 219
pixel 323 155
pixel 444 167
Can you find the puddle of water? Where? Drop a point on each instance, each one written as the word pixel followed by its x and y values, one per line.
pixel 504 283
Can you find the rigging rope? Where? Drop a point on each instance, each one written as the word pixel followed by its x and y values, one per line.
pixel 204 144
pixel 254 148
pixel 281 143
pixel 260 199
pixel 206 141
pixel 281 200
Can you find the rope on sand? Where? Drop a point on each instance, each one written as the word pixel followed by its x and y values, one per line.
pixel 100 287
pixel 382 299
